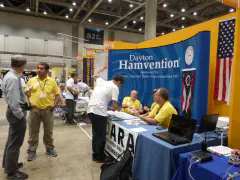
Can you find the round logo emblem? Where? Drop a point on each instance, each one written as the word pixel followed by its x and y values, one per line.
pixel 189 55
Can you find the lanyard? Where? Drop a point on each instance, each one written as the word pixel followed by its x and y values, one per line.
pixel 158 110
pixel 43 85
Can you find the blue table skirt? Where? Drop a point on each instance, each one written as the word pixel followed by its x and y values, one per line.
pixel 212 170
pixel 156 159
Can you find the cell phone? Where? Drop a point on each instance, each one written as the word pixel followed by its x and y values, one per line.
pixel 160 128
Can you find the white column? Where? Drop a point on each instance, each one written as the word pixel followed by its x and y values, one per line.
pixel 150 19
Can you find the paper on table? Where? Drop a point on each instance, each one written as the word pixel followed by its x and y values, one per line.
pixel 137 130
pixel 135 122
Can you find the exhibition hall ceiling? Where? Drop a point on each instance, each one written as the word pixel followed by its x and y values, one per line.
pixel 126 15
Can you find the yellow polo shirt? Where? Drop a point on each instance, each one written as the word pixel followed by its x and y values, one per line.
pixel 165 113
pixel 154 110
pixel 43 96
pixel 153 105
pixel 133 104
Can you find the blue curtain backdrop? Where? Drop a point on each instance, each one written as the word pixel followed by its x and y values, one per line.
pixel 147 69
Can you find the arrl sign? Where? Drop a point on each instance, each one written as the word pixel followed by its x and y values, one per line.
pixel 119 139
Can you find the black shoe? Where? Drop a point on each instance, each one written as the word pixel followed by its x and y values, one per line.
pixel 17 175
pixel 52 152
pixel 94 157
pixel 31 156
pixel 19 165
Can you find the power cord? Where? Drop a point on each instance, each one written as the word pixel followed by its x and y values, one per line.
pixel 227 171
pixel 189 168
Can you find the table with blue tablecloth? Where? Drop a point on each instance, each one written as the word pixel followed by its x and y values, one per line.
pixel 156 159
pixel 212 170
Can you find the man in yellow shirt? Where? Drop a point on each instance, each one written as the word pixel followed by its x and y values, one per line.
pixel 44 94
pixel 130 104
pixel 162 113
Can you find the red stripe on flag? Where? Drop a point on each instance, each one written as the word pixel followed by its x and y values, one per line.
pixel 216 88
pixel 183 89
pixel 192 90
pixel 230 68
pixel 224 80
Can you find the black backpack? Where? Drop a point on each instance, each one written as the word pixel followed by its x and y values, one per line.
pixel 118 170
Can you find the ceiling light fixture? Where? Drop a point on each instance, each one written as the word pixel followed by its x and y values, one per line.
pixel 125 27
pixel 195 13
pixel 106 23
pixel 45 12
pixel 66 16
pixel 141 17
pixel 140 29
pixel 109 0
pixel 183 18
pixel 164 5
pixel 71 9
pixel 134 22
pixel 231 10
pixel 1 5
pixel 183 26
pixel 89 20
pixel 28 10
pixel 172 15
pixel 174 30
pixel 163 33
pixel 131 5
pixel 74 3
pixel 183 10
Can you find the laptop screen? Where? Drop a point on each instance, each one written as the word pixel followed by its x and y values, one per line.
pixel 208 123
pixel 182 126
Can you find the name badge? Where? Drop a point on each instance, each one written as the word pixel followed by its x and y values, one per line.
pixel 42 95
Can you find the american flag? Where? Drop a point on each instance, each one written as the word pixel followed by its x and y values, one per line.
pixel 188 81
pixel 224 59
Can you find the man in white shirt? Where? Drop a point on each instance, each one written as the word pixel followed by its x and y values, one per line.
pixel 103 93
pixel 83 88
pixel 71 96
pixel 22 81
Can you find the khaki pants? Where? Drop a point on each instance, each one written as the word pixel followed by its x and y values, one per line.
pixel 35 118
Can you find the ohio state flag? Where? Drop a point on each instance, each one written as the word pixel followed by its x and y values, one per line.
pixel 188 79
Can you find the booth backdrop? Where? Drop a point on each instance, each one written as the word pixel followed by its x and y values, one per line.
pixel 147 69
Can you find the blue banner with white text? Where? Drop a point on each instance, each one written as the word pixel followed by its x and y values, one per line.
pixel 151 68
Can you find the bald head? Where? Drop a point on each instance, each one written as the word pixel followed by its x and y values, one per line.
pixel 161 96
pixel 134 94
pixel 163 92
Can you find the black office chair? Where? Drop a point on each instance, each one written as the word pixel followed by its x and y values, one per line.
pixel 176 109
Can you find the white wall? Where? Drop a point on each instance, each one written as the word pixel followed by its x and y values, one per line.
pixel 128 37
pixel 35 30
pixel 34 27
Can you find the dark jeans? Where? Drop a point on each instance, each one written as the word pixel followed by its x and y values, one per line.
pixel 0 93
pixel 16 133
pixel 71 104
pixel 99 128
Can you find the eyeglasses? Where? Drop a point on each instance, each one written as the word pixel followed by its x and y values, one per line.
pixel 154 95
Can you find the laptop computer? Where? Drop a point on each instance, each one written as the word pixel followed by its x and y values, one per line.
pixel 208 123
pixel 180 131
